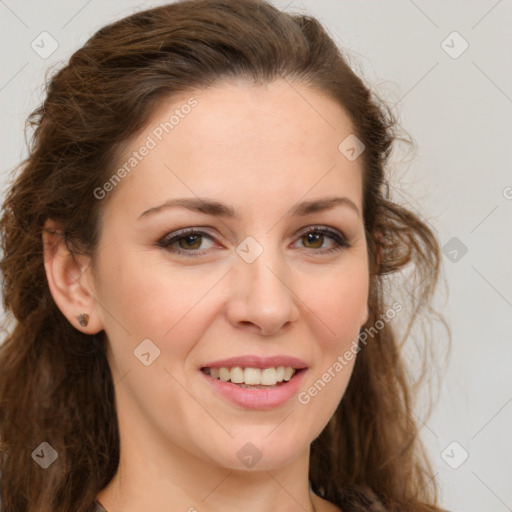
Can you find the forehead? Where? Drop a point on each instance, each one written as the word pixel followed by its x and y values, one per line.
pixel 244 143
pixel 238 119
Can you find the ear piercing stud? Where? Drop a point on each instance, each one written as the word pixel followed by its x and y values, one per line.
pixel 83 319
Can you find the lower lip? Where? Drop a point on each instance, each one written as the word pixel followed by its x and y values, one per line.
pixel 258 398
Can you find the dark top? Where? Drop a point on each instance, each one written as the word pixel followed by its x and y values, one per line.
pixel 97 507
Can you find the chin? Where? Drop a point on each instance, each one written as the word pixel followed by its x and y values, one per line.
pixel 261 451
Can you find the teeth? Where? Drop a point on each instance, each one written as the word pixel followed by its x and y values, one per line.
pixel 288 373
pixel 253 376
pixel 237 375
pixel 269 376
pixel 224 374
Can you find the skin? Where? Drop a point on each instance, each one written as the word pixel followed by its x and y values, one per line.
pixel 260 149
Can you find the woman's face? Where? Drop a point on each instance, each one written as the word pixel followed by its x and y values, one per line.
pixel 209 259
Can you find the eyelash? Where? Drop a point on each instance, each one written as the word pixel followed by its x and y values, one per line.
pixel 166 242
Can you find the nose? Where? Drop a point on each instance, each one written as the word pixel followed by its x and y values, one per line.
pixel 262 296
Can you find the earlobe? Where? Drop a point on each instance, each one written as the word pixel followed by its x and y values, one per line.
pixel 83 319
pixel 70 281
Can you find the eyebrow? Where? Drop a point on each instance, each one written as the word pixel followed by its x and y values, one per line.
pixel 217 209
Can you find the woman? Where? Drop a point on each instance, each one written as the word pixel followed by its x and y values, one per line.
pixel 196 253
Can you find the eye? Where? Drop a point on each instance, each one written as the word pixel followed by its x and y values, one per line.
pixel 317 235
pixel 189 242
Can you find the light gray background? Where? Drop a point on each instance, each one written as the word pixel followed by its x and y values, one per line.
pixel 458 110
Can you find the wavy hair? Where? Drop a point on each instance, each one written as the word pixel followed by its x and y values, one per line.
pixel 55 381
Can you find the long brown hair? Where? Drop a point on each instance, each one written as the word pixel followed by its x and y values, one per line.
pixel 55 381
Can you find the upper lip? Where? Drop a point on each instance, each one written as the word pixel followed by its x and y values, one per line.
pixel 252 361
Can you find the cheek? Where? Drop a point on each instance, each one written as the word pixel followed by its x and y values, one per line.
pixel 338 310
pixel 166 304
pixel 172 307
pixel 149 297
pixel 340 306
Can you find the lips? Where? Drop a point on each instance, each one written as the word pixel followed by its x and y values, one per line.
pixel 251 361
pixel 255 382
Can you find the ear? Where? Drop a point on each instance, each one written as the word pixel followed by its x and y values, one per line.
pixel 70 279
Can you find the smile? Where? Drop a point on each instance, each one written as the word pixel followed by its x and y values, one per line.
pixel 250 387
pixel 252 377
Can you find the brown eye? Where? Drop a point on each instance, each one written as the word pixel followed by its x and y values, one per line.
pixel 187 242
pixel 315 237
pixel 190 242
